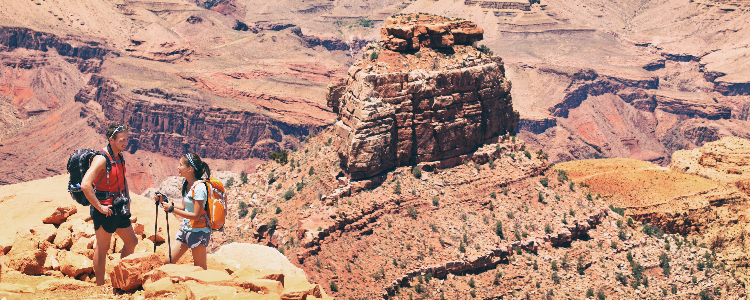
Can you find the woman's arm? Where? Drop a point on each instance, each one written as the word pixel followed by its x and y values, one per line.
pixel 87 184
pixel 180 211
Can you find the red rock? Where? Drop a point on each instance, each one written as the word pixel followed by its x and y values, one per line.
pixel 29 262
pixel 63 238
pixel 61 214
pixel 128 274
pixel 406 32
pixel 74 264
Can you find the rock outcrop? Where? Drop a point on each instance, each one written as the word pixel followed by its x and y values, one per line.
pixel 416 31
pixel 396 109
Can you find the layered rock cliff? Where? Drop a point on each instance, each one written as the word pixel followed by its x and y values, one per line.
pixel 403 107
pixel 173 123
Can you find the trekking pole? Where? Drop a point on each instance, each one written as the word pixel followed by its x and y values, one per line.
pixel 169 246
pixel 156 221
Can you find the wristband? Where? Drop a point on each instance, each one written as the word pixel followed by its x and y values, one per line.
pixel 171 208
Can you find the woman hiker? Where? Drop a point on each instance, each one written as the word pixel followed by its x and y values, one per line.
pixel 101 189
pixel 194 232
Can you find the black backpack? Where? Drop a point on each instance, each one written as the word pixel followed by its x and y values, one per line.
pixel 78 163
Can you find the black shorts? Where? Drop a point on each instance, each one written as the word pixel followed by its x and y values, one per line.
pixel 111 223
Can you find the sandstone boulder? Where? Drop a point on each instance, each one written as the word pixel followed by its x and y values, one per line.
pixel 297 288
pixel 51 263
pixel 74 264
pixel 206 291
pixel 15 288
pixel 29 262
pixel 44 232
pixel 209 276
pixel 264 286
pixel 129 272
pixel 171 271
pixel 159 287
pixel 63 238
pixel 60 214
pixel 144 246
pixel 82 229
pixel 83 244
pixel 261 258
pixel 64 284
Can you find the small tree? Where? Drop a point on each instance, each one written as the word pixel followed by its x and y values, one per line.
pixel 230 182
pixel 499 230
pixel 334 287
pixel 242 209
pixel 243 177
pixel 311 171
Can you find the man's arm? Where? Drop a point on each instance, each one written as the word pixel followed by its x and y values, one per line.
pixel 87 183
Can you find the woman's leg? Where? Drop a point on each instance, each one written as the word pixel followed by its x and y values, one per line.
pixel 100 254
pixel 128 239
pixel 178 250
pixel 199 257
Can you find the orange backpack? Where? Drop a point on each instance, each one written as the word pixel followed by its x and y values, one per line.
pixel 215 209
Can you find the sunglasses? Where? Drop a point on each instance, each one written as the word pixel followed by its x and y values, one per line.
pixel 119 128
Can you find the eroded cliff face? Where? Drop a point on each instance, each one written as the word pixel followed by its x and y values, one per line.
pixel 174 123
pixel 400 108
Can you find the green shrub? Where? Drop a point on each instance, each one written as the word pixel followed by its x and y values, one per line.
pixel 653 231
pixel 417 172
pixel 230 182
pixel 242 212
pixel 493 195
pixel 365 22
pixel 613 245
pixel 397 188
pixel 280 157
pixel 334 287
pixel 544 181
pixel 412 212
pixel 589 293
pixel 254 213
pixel 311 171
pixel 499 230
pixel 600 296
pixel 435 200
pixel 471 282
pixel 617 210
pixel 243 177
pixel 486 50
pixel 547 229
pixel 554 266
pixel 288 194
pixel 580 267
pixel 374 55
pixel 272 224
pixel 556 278
pixel 562 176
pixel 527 154
pixel 541 196
pixel 278 210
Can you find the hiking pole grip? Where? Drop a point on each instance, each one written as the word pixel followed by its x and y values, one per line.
pixel 168 242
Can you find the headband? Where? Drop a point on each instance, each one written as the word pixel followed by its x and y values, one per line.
pixel 115 132
pixel 191 161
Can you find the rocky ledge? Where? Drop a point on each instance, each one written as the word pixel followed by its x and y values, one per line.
pixel 401 108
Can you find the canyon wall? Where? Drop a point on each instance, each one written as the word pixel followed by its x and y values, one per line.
pixel 174 124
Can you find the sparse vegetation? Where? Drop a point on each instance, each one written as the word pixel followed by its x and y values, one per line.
pixel 417 172
pixel 486 50
pixel 288 194
pixel 562 176
pixel 230 182
pixel 412 212
pixel 499 230
pixel 280 157
pixel 544 181
pixel 242 211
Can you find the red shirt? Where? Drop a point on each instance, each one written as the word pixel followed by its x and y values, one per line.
pixel 116 181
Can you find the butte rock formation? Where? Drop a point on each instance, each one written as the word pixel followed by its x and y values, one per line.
pixel 422 94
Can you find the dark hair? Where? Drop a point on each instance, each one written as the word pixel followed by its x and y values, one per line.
pixel 201 168
pixel 112 127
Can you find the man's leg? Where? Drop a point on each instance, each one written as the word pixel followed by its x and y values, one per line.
pixel 128 239
pixel 100 254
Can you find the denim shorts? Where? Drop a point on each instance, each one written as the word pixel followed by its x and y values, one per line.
pixel 193 238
